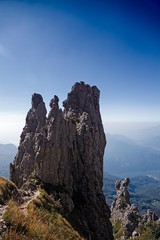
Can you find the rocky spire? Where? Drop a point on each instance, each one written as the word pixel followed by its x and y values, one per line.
pixel 66 151
pixel 149 216
pixel 122 210
pixel 24 163
pixel 122 199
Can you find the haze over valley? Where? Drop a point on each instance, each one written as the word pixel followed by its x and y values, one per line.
pixel 124 157
pixel 127 157
pixel 133 151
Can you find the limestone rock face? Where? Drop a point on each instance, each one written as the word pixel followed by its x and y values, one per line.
pixel 123 211
pixel 150 216
pixel 122 199
pixel 126 219
pixel 24 162
pixel 65 150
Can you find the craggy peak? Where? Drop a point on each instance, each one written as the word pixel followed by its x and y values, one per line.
pixel 65 151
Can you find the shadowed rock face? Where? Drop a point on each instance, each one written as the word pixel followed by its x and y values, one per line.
pixel 24 163
pixel 66 151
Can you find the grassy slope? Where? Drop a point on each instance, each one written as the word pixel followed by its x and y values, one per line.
pixel 7 190
pixel 41 221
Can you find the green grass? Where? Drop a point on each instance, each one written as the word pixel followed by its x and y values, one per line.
pixel 149 231
pixel 117 229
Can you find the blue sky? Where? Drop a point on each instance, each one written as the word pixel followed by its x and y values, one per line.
pixel 47 46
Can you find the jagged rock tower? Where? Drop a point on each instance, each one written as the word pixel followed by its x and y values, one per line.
pixel 125 212
pixel 66 151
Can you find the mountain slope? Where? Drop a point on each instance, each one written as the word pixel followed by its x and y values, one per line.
pixel 154 143
pixel 125 157
pixel 32 215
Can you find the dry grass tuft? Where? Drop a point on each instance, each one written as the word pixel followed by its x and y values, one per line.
pixel 7 190
pixel 42 222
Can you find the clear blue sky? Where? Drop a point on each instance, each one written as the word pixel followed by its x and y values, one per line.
pixel 46 46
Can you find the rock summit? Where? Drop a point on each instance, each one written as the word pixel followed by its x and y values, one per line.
pixel 65 151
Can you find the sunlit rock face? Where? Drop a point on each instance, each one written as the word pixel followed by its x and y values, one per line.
pixel 123 211
pixel 66 151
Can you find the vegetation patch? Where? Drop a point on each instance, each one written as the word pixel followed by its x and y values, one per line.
pixel 149 231
pixel 117 229
pixel 8 190
pixel 41 222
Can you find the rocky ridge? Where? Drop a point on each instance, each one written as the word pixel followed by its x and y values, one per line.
pixel 127 215
pixel 123 211
pixel 65 151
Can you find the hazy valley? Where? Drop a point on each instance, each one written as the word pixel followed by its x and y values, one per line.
pixel 7 154
pixel 123 158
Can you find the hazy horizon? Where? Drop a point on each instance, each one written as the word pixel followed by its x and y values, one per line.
pixel 47 46
pixel 15 124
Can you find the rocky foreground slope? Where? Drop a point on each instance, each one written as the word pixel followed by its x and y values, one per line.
pixel 27 214
pixel 65 151
pixel 127 221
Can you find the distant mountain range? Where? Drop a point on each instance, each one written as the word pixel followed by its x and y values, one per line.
pixel 124 157
pixel 147 134
pixel 154 143
pixel 7 154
